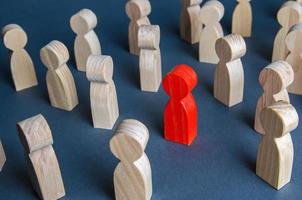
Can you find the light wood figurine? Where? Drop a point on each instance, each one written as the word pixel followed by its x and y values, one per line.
pixel 60 83
pixel 103 98
pixel 2 156
pixel 276 152
pixel 229 74
pixel 86 42
pixel 242 18
pixel 35 135
pixel 22 67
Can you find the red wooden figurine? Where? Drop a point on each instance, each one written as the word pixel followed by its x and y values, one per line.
pixel 180 117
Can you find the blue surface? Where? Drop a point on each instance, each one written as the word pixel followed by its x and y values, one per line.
pixel 221 162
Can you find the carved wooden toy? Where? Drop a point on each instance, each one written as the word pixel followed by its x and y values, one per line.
pixel 103 98
pixel 132 176
pixel 180 116
pixel 229 74
pixel 2 156
pixel 149 58
pixel 43 166
pixel 274 79
pixel 86 42
pixel 60 83
pixel 276 152
pixel 242 19
pixel 22 67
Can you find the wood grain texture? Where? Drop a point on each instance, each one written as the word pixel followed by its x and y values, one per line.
pixel 274 79
pixel 275 152
pixel 289 14
pixel 60 83
pixel 86 42
pixel 190 25
pixel 103 98
pixel 229 74
pixel 43 166
pixel 242 18
pixel 137 11
pixel 22 67
pixel 2 156
pixel 210 15
pixel 132 176
pixel 150 58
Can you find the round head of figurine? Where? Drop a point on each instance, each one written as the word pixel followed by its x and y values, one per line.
pixel 211 12
pixel 14 37
pixel 148 36
pixel 137 9
pixel 99 68
pixel 83 21
pixel 294 34
pixel 290 13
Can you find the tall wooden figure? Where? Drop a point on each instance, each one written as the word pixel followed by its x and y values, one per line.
pixel 86 42
pixel 274 79
pixel 242 18
pixel 210 15
pixel 180 117
pixel 190 25
pixel 132 176
pixel 137 11
pixel 229 74
pixel 43 166
pixel 276 152
pixel 22 67
pixel 60 83
pixel 2 156
pixel 103 98
pixel 289 14
pixel 149 58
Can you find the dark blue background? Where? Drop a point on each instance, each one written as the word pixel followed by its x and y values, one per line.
pixel 220 164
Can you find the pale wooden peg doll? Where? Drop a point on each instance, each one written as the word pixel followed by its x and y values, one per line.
pixel 242 18
pixel 149 58
pixel 132 176
pixel 86 42
pixel 22 67
pixel 60 83
pixel 289 14
pixel 276 152
pixel 229 74
pixel 103 98
pixel 35 135
pixel 190 25
pixel 2 156
pixel 210 15
pixel 274 79
pixel 137 11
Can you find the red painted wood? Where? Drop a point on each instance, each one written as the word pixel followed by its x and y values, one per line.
pixel 180 117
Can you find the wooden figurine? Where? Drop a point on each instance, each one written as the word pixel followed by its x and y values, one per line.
pixel 289 14
pixel 274 79
pixel 132 176
pixel 210 15
pixel 242 18
pixel 35 135
pixel 86 42
pixel 293 40
pixel 190 25
pixel 137 11
pixel 276 152
pixel 149 58
pixel 229 74
pixel 2 156
pixel 22 67
pixel 60 83
pixel 180 116
pixel 103 98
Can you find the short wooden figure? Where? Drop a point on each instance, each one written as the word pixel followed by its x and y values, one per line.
pixel 86 42
pixel 2 156
pixel 137 11
pixel 132 176
pixel 103 98
pixel 229 74
pixel 190 25
pixel 289 14
pixel 242 18
pixel 276 152
pixel 22 67
pixel 60 83
pixel 35 135
pixel 149 58
pixel 210 15
pixel 274 79
pixel 180 116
